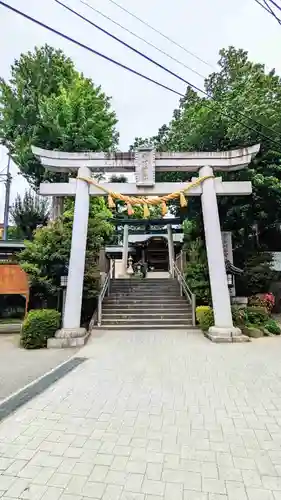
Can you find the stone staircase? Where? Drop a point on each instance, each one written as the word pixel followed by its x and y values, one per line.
pixel 145 304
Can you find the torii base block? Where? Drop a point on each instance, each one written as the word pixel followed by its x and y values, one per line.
pixel 67 337
pixel 226 335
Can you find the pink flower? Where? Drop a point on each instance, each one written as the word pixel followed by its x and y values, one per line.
pixel 269 299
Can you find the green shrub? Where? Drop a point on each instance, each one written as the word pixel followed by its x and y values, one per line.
pixel 38 326
pixel 272 326
pixel 196 271
pixel 256 315
pixel 205 317
pixel 201 310
pixel 239 315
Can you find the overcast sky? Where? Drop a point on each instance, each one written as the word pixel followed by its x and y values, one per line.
pixel 202 26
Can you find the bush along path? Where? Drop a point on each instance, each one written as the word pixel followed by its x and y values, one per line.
pixel 38 326
pixel 255 320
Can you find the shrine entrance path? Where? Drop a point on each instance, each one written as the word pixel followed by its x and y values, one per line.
pixel 152 415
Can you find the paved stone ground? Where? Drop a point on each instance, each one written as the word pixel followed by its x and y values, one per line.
pixel 152 416
pixel 19 367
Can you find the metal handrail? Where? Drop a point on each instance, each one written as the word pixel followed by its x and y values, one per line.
pixel 184 288
pixel 104 290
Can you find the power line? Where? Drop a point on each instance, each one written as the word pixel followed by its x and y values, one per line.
pixel 275 4
pixel 262 5
pixel 268 9
pixel 161 34
pixel 141 38
pixel 271 11
pixel 165 69
pixel 127 45
pixel 76 42
pixel 86 47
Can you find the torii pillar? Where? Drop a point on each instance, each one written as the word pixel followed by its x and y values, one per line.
pixel 145 163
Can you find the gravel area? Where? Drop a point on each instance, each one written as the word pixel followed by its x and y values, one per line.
pixel 19 367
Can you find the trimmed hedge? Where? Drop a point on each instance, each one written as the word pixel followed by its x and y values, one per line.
pixel 205 317
pixel 38 326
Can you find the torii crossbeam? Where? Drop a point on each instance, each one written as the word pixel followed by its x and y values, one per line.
pixel 145 163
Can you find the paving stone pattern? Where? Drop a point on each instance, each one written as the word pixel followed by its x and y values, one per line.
pixel 19 367
pixel 163 415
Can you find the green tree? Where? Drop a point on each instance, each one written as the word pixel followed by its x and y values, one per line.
pixel 78 118
pixel 196 270
pixel 29 212
pixel 14 233
pixel 33 75
pixel 257 274
pixel 46 257
pixel 204 124
pixel 48 103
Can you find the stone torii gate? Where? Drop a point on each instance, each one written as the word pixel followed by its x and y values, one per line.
pixel 145 163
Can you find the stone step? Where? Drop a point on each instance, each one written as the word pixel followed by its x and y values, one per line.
pixel 162 290
pixel 148 284
pixel 138 315
pixel 127 313
pixel 139 326
pixel 145 304
pixel 146 301
pixel 143 280
pixel 144 285
pixel 166 286
pixel 147 298
pixel 145 321
pixel 144 294
pixel 149 291
pixel 145 307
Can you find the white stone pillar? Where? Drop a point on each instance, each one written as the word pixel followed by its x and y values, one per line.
pixel 170 250
pixel 125 249
pixel 74 292
pixel 223 331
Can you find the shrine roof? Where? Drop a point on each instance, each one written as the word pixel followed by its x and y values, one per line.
pixel 142 238
pixel 149 230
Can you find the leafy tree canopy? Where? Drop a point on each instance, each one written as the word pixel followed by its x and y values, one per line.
pixel 48 103
pixel 46 257
pixel 203 124
pixel 29 212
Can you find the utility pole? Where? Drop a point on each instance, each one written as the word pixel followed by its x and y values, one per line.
pixel 7 200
